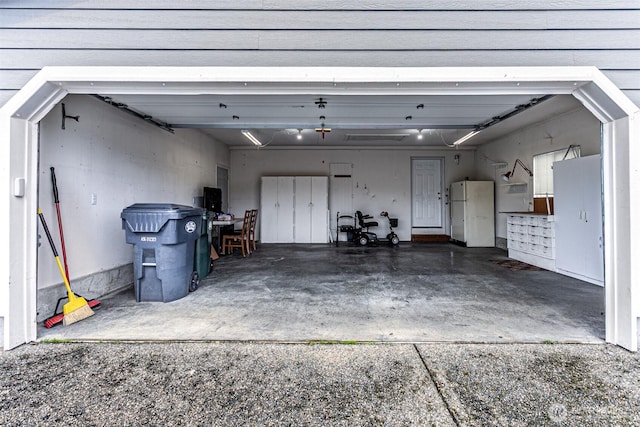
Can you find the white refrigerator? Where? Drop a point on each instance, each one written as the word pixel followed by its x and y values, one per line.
pixel 472 213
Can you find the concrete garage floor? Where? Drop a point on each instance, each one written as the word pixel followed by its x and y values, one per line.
pixel 412 293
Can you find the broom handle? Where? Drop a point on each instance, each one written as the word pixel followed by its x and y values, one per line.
pixel 55 254
pixel 57 202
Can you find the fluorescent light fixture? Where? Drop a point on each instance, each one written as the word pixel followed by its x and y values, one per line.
pixel 466 137
pixel 251 138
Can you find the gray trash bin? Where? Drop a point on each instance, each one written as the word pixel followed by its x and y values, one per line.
pixel 164 237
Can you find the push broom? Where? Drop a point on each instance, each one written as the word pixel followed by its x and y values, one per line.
pixel 77 308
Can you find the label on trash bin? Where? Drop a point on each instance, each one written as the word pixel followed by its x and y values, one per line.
pixel 190 226
pixel 148 239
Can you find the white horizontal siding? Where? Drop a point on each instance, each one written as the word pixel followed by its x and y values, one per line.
pixel 331 4
pixel 38 33
pixel 321 40
pixel 324 20
pixel 37 58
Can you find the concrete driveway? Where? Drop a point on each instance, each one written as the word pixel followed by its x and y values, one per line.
pixel 235 384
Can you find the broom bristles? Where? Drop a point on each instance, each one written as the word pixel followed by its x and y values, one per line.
pixel 77 315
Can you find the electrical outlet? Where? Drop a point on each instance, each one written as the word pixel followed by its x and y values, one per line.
pixel 94 199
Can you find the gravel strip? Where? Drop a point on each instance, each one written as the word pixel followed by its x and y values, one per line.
pixel 217 384
pixel 525 385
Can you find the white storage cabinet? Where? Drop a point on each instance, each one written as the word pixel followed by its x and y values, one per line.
pixel 531 239
pixel 578 209
pixel 294 209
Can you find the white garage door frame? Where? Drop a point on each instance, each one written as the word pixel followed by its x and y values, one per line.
pixel 621 152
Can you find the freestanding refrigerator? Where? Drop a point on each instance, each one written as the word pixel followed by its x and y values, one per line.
pixel 472 213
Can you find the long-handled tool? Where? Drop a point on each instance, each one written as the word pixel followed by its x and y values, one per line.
pixel 58 316
pixel 56 199
pixel 77 308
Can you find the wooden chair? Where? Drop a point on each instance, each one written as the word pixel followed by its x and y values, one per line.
pixel 251 242
pixel 238 240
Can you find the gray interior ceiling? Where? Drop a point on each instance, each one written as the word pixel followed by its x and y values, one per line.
pixel 354 120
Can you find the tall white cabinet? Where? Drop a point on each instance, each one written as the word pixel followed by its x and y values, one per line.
pixel 276 209
pixel 310 209
pixel 578 218
pixel 294 209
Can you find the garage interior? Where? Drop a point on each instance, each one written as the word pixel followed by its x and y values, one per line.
pixel 118 159
pixel 126 149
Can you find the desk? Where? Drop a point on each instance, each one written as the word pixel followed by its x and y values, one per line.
pixel 214 231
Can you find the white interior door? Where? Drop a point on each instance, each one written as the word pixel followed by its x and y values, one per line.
pixel 426 193
pixel 222 183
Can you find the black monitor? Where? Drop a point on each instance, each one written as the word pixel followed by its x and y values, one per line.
pixel 212 199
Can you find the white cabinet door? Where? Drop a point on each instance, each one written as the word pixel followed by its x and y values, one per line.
pixel 311 204
pixel 578 217
pixel 592 202
pixel 319 209
pixel 285 209
pixel 269 209
pixel 276 218
pixel 303 206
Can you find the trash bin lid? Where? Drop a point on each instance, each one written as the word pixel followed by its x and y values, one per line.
pixel 151 217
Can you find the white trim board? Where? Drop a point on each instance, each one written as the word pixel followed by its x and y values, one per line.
pixel 621 151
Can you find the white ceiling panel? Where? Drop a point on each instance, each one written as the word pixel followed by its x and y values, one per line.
pixel 354 120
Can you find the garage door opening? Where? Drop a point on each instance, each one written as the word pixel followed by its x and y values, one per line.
pixel 22 114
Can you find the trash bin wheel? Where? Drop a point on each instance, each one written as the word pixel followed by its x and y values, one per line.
pixel 194 282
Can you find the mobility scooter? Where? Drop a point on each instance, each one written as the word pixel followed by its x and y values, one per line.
pixel 359 233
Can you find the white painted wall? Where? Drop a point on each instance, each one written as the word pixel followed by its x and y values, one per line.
pixel 577 126
pixel 122 160
pixel 381 177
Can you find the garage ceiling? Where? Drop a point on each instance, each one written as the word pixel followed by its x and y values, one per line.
pixel 354 120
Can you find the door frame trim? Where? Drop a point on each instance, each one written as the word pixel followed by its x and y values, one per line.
pixel 621 151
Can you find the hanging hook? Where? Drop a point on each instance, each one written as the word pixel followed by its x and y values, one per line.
pixel 65 116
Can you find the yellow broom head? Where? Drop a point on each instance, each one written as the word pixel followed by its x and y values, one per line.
pixel 75 310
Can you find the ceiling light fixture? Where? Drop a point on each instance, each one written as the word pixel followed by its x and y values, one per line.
pixel 251 138
pixel 507 176
pixel 322 130
pixel 466 137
